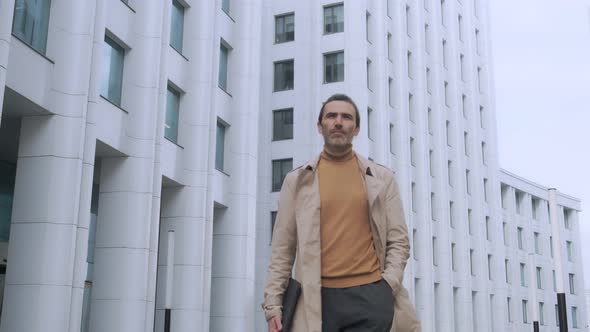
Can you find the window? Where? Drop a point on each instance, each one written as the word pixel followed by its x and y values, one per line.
pixel 368 26
pixel 466 143
pixel 483 153
pixel 389 47
pixel 570 251
pixel 411 108
pixel 481 117
pixel 519 236
pixel 490 277
pixel 414 198
pixel 541 313
pixel 273 219
pixel 333 18
pixel 551 245
pixel 391 92
pixel 556 315
pixel 444 52
pixel 112 83
pixel 410 65
pixel 509 308
pixel 369 74
pixel 507 270
pixel 280 168
pixel 488 229
pixel 554 281
pixel 414 243
pixel 392 138
pixel 447 94
pixel 464 105
pixel 453 257
pixel 572 280
pixel 370 124
pixel 537 244
pixel 408 21
pixel 225 6
pixel 432 206
pixel 467 182
pixel 462 67
pixel 470 222
pixel 524 312
pixel 575 317
pixel 539 271
pixel 523 274
pixel 434 252
pixel 451 213
pixel 448 132
pixel 282 124
pixel 518 197
pixel 431 162
pixel 172 111
pixel 284 28
pixel 477 46
pixel 428 80
pixel 450 172
pixel 283 75
pixel 535 208
pixel 567 213
pixel 427 37
pixel 177 26
pixel 479 79
pixel 442 12
pixel 220 145
pixel 334 67
pixel 505 233
pixel 412 152
pixel 460 27
pixel 485 190
pixel 430 121
pixel 31 20
pixel 471 262
pixel 223 65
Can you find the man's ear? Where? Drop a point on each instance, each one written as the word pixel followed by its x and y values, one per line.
pixel 320 128
pixel 356 131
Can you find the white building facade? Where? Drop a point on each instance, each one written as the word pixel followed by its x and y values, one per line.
pixel 143 145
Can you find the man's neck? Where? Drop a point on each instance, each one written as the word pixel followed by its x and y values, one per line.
pixel 343 153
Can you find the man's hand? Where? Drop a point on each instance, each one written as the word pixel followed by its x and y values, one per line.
pixel 274 324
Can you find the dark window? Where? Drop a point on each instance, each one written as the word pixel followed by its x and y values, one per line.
pixel 334 18
pixel 280 168
pixel 284 76
pixel 282 124
pixel 284 28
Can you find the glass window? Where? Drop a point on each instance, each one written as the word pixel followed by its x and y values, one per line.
pixel 284 28
pixel 177 25
pixel 7 177
pixel 507 270
pixel 522 274
pixel 537 244
pixel 220 145
pixel 225 6
pixel 509 308
pixel 391 138
pixel 284 75
pixel 575 317
pixel 172 110
pixel 31 19
pixel 273 219
pixel 223 64
pixel 519 234
pixel 370 124
pixel 282 124
pixel 541 313
pixel 280 168
pixel 112 82
pixel 524 311
pixel 572 283
pixel 570 251
pixel 434 251
pixel 453 257
pixel 334 18
pixel 334 67
pixel 539 278
pixel 471 262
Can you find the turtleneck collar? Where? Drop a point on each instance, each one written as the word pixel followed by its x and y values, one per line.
pixel 344 156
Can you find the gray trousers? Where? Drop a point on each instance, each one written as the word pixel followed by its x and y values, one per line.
pixel 364 308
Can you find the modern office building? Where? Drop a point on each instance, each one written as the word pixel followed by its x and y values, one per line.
pixel 143 145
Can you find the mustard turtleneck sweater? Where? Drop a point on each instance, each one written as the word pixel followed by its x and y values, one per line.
pixel 348 253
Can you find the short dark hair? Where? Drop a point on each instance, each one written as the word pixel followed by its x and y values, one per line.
pixel 341 97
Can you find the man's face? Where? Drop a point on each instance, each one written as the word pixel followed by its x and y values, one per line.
pixel 338 124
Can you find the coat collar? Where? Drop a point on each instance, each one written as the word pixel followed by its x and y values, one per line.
pixel 364 165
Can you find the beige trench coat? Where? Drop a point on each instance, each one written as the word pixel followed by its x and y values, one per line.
pixel 297 235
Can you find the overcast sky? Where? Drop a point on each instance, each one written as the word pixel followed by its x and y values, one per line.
pixel 541 59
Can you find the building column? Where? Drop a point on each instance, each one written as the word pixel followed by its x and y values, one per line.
pixel 6 16
pixel 47 187
pixel 121 285
pixel 234 237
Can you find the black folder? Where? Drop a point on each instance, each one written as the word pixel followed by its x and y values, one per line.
pixel 290 298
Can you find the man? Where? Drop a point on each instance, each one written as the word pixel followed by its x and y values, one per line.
pixel 340 217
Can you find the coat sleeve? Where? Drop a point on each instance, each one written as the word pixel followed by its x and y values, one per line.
pixel 397 249
pixel 284 244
